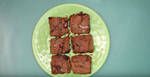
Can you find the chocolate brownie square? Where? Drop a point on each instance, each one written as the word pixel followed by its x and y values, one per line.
pixel 58 26
pixel 81 64
pixel 82 44
pixel 60 64
pixel 59 45
pixel 80 23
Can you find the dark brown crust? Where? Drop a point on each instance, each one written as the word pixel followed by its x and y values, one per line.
pixel 80 23
pixel 60 45
pixel 81 64
pixel 82 44
pixel 60 64
pixel 58 26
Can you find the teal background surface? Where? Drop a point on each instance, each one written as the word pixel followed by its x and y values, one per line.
pixel 127 20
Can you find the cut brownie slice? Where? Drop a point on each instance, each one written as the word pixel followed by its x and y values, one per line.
pixel 82 44
pixel 59 45
pixel 80 23
pixel 60 64
pixel 81 64
pixel 58 26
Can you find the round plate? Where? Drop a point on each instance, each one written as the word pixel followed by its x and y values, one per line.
pixel 41 37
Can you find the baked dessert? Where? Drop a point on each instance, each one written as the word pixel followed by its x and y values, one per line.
pixel 82 44
pixel 80 23
pixel 59 45
pixel 60 64
pixel 58 26
pixel 81 64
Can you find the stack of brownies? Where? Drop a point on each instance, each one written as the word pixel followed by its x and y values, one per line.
pixel 81 42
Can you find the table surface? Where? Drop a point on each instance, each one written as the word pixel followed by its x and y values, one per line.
pixel 127 21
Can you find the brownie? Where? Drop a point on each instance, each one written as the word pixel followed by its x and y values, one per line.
pixel 59 45
pixel 80 23
pixel 81 64
pixel 82 44
pixel 60 64
pixel 58 26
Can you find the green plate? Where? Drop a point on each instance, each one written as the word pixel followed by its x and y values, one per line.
pixel 41 37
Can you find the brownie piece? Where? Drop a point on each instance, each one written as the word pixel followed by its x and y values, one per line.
pixel 58 26
pixel 59 45
pixel 60 64
pixel 80 23
pixel 81 64
pixel 82 44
